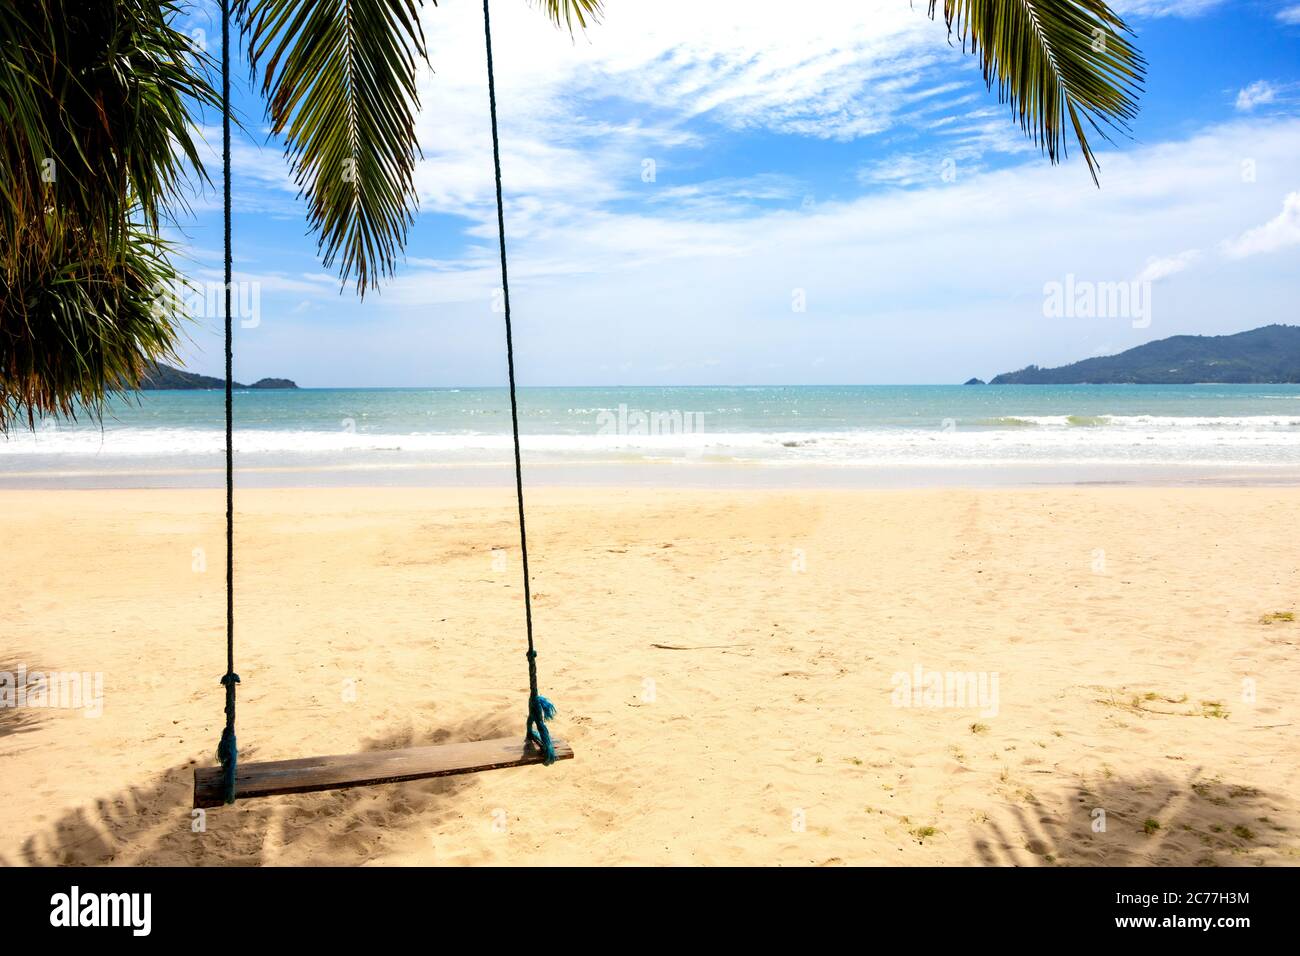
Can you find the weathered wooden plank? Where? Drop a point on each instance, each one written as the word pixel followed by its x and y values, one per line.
pixel 338 772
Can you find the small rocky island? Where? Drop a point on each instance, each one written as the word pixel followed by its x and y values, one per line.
pixel 160 377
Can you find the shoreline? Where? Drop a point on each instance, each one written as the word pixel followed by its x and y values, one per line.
pixel 736 476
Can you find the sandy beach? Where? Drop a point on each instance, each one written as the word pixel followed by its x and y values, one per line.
pixel 733 670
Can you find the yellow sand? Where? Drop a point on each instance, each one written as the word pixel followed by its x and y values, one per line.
pixel 725 706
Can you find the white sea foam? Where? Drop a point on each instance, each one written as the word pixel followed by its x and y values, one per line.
pixel 1261 439
pixel 1240 423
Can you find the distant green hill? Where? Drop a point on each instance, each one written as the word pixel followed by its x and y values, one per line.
pixel 164 377
pixel 1266 356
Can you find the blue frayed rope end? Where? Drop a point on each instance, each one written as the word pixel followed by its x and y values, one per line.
pixel 540 710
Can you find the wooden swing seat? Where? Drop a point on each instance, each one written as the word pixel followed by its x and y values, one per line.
pixel 310 774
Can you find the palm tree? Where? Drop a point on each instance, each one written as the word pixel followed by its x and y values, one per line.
pixel 339 77
pixel 95 144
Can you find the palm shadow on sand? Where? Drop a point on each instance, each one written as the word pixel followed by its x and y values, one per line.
pixel 1150 819
pixel 152 824
pixel 14 719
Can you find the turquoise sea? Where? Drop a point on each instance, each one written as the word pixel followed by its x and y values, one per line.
pixel 700 435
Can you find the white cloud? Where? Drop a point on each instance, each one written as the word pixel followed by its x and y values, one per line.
pixel 850 71
pixel 1279 232
pixel 1290 15
pixel 732 195
pixel 315 284
pixel 1165 8
pixel 971 138
pixel 767 69
pixel 1163 267
pixel 611 272
pixel 886 274
pixel 260 178
pixel 906 169
pixel 1259 93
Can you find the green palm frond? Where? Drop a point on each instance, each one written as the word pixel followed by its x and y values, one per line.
pixel 1055 62
pixel 571 13
pixel 340 77
pixel 96 143
pixel 90 322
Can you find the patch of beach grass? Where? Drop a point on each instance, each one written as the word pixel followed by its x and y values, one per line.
pixel 1203 791
pixel 1154 702
pixel 923 833
pixel 1278 617
pixel 1213 708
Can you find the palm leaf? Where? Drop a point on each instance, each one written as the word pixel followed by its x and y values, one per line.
pixel 340 77
pixel 341 80
pixel 1053 61
pixel 571 13
pixel 96 145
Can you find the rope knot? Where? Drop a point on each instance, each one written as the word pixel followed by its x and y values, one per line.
pixel 229 678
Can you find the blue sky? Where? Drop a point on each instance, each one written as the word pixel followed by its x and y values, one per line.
pixel 842 157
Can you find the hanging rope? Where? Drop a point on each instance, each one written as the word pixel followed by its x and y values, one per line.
pixel 228 750
pixel 540 710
